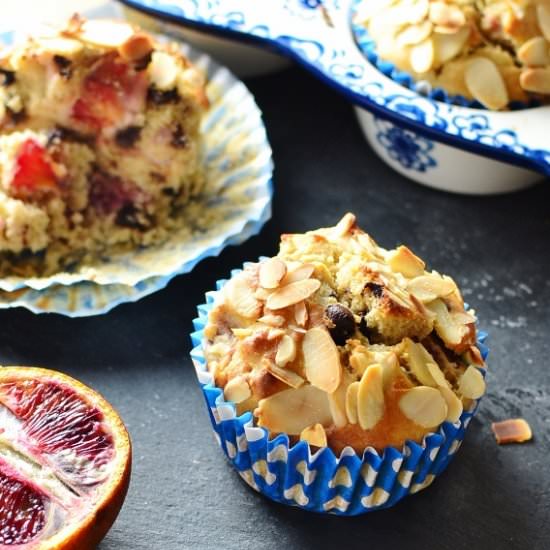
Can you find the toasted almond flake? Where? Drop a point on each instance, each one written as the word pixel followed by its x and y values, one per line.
pixel 418 357
pixel 61 46
pixel 137 47
pixel 424 406
pixel 262 294
pixel 297 329
pixel 240 298
pixel 422 56
pixel 275 333
pixel 403 260
pixel 471 384
pixel 360 359
pixel 370 398
pixel 290 378
pixel 485 83
pixel 104 32
pixel 437 375
pixel 337 400
pixel 448 330
pixel 534 52
pixel 535 80
pixel 512 430
pixel 344 225
pixel 292 410
pixel 314 435
pixel 473 355
pixel 303 271
pixel 272 320
pixel 454 404
pixel 411 13
pixel 446 15
pixel 237 390
pixel 321 360
pixel 390 367
pixel 449 45
pixel 300 313
pixel 271 272
pixel 414 34
pixel 163 70
pixel 463 318
pixel 292 293
pixel 286 351
pixel 428 288
pixel 351 402
pixel 242 332
pixel 543 19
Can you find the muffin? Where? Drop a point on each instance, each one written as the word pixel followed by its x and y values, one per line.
pixel 494 52
pixel 348 347
pixel 99 144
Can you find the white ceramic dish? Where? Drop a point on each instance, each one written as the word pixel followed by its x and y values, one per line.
pixel 450 147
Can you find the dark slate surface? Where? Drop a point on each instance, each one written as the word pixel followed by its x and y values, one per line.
pixel 184 494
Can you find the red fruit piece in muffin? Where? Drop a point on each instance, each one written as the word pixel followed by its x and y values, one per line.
pixel 32 171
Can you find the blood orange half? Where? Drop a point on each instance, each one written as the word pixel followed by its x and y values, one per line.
pixel 65 460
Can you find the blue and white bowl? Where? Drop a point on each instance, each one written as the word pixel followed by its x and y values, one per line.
pixel 451 147
pixel 321 481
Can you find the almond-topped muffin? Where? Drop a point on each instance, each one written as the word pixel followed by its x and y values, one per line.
pixel 492 51
pixel 340 342
pixel 99 143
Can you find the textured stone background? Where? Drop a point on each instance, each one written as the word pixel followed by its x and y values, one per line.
pixel 184 494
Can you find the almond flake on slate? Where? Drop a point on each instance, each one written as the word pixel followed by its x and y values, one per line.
pixel 292 293
pixel 512 430
pixel 300 314
pixel 271 272
pixel 471 384
pixel 240 298
pixel 290 378
pixel 424 406
pixel 321 360
pixel 454 404
pixel 351 402
pixel 292 410
pixel 237 390
pixel 370 398
pixel 485 83
pixel 286 351
pixel 106 33
pixel 314 435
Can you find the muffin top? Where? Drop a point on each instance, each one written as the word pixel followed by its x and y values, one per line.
pixel 339 342
pixel 492 51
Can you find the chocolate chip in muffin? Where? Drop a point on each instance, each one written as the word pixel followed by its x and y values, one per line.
pixel 16 117
pixel 376 289
pixel 179 139
pixel 61 133
pixel 64 66
pixel 160 97
pixel 7 78
pixel 340 322
pixel 129 216
pixel 127 137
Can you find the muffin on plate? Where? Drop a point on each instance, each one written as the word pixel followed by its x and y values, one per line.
pixel 495 52
pixel 99 143
pixel 346 346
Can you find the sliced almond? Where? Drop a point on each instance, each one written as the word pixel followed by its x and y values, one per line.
pixel 422 56
pixel 485 83
pixel 535 80
pixel 262 293
pixel 271 272
pixel 370 398
pixel 303 271
pixel 454 404
pixel 163 70
pixel 105 33
pixel 414 34
pixel 286 351
pixel 337 400
pixel 351 402
pixel 67 47
pixel 321 360
pixel 290 378
pixel 314 435
pixel 449 331
pixel 137 47
pixel 428 288
pixel 471 384
pixel 543 19
pixel 446 15
pixel 300 314
pixel 360 359
pixel 424 406
pixel 242 332
pixel 237 390
pixel 418 358
pixel 409 13
pixel 513 430
pixel 292 293
pixel 272 320
pixel 344 225
pixel 437 374
pixel 534 52
pixel 241 299
pixel 449 45
pixel 275 333
pixel 292 410
pixel 403 260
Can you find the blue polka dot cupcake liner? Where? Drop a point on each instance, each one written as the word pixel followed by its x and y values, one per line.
pixel 319 480
pixel 368 46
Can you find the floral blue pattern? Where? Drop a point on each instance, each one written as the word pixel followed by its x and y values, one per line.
pixel 405 147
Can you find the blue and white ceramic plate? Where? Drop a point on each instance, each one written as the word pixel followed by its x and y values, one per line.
pixel 236 205
pixel 425 139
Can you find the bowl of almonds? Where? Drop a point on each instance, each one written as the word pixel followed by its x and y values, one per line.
pixel 339 376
